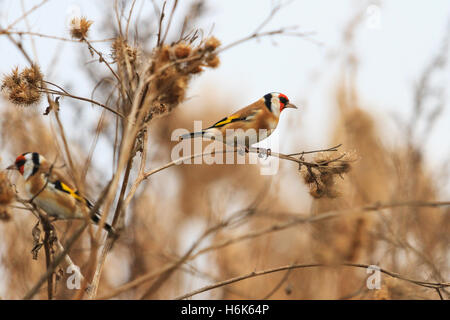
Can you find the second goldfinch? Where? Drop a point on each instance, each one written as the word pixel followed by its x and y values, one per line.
pixel 256 122
pixel 50 191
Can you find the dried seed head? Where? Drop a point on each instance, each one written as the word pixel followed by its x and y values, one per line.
pixel 211 44
pixel 23 88
pixel 33 74
pixel 213 61
pixel 79 27
pixel 182 50
pixel 171 74
pixel 196 69
pixel 321 178
pixel 11 80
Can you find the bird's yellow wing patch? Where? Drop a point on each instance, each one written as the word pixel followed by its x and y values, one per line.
pixel 225 121
pixel 64 188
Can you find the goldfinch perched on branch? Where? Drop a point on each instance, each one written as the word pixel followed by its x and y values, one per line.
pixel 50 192
pixel 260 117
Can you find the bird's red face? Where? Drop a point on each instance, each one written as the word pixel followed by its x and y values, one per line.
pixel 27 164
pixel 20 163
pixel 283 101
pixel 277 102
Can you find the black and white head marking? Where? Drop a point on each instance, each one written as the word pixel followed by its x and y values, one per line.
pixel 32 164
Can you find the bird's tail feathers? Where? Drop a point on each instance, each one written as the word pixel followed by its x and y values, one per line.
pixel 96 219
pixel 192 135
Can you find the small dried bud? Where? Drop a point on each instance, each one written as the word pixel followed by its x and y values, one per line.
pixel 213 61
pixel 196 69
pixel 182 50
pixel 212 43
pixel 79 27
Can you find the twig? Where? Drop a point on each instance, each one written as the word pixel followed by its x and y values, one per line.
pixel 266 34
pixel 279 284
pixel 26 14
pixel 129 18
pixel 435 285
pixel 335 148
pixel 65 94
pixel 170 21
pixel 70 242
pixel 320 217
pixel 30 294
pixel 158 43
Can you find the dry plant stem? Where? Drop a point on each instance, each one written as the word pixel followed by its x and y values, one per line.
pixel 172 266
pixel 66 94
pixel 281 31
pixel 320 217
pixel 237 217
pixel 26 14
pixel 70 242
pixel 110 241
pixel 166 274
pixel 41 35
pixel 48 261
pixel 279 284
pixel 20 47
pixel 170 21
pixel 435 285
pixel 129 18
pixel 161 18
pixel 258 34
pixel 101 59
pixel 73 172
pixel 124 162
pixel 47 227
pixel 335 148
pixel 68 245
pixel 145 175
pixel 324 216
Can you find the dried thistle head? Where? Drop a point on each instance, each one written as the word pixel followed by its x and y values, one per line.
pixel 23 88
pixel 172 67
pixel 79 27
pixel 211 44
pixel 33 74
pixel 213 61
pixel 321 176
pixel 182 50
pixel 121 50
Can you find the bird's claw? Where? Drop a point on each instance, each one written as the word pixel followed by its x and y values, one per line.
pixel 264 153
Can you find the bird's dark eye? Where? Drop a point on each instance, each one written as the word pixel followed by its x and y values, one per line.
pixel 283 100
pixel 20 163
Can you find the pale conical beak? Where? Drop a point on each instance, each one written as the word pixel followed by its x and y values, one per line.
pixel 290 105
pixel 12 167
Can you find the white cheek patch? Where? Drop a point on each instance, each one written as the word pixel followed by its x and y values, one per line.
pixel 276 106
pixel 28 169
